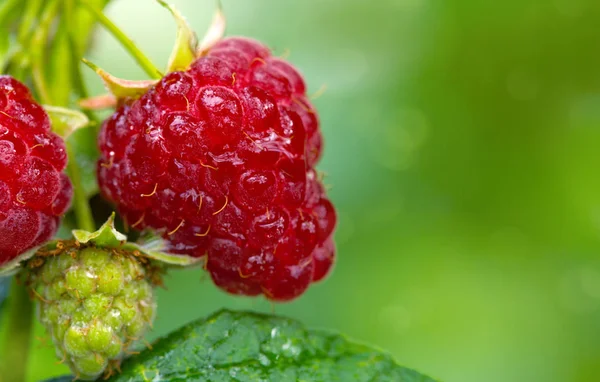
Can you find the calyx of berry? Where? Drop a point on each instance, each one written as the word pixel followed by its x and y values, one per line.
pixel 185 51
pixel 118 87
pixel 149 246
pixel 186 43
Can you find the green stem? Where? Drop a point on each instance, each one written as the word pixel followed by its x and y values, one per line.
pixel 83 212
pixel 39 41
pixel 125 41
pixel 13 364
pixel 79 83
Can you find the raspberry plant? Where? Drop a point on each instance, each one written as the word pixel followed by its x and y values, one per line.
pixel 212 159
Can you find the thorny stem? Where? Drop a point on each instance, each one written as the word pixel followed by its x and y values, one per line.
pixel 13 363
pixel 125 41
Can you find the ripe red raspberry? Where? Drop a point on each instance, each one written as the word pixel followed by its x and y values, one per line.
pixel 221 159
pixel 34 192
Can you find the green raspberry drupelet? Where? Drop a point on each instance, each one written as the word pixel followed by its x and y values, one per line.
pixel 95 303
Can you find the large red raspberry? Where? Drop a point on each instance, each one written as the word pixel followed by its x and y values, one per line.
pixel 221 159
pixel 34 192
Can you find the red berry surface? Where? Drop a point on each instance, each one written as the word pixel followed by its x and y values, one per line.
pixel 34 192
pixel 220 159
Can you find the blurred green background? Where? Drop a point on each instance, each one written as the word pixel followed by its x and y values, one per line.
pixel 463 151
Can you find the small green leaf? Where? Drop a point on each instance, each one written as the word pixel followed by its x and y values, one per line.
pixel 246 346
pixel 184 51
pixel 66 121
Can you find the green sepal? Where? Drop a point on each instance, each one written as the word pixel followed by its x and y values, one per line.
pixel 14 265
pixel 215 32
pixel 121 88
pixel 151 247
pixel 105 237
pixel 186 43
pixel 155 248
pixel 66 121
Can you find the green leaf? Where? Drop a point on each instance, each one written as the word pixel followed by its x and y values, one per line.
pixel 245 346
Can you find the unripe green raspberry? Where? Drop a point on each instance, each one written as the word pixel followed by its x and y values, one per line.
pixel 95 303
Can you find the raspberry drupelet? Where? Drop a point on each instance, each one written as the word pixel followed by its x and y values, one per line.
pixel 34 193
pixel 220 159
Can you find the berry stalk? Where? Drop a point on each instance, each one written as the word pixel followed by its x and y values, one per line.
pixel 15 352
pixel 143 61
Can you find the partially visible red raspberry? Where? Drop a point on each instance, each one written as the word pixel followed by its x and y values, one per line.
pixel 34 192
pixel 221 159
